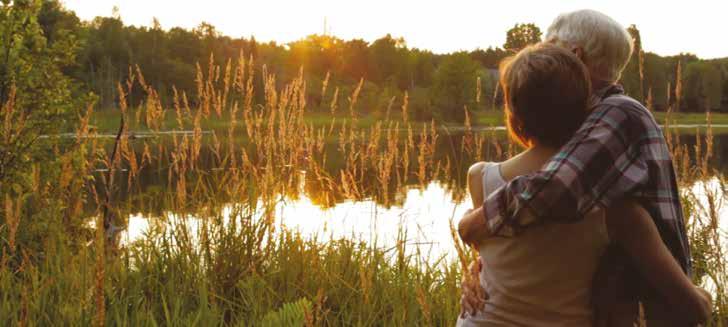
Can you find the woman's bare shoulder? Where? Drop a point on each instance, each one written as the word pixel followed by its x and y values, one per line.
pixel 477 168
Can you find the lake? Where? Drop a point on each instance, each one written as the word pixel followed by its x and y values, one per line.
pixel 416 210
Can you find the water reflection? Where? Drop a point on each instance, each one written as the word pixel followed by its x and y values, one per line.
pixel 152 181
pixel 420 214
pixel 423 220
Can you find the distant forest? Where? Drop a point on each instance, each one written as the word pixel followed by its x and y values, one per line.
pixel 438 86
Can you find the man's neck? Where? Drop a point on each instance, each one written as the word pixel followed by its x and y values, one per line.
pixel 598 84
pixel 599 88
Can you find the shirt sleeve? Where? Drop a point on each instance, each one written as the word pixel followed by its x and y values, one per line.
pixel 600 164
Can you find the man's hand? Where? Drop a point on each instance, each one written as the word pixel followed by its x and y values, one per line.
pixel 472 228
pixel 474 294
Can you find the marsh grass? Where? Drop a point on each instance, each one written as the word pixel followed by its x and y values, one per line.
pixel 232 264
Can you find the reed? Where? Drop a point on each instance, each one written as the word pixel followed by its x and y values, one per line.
pixel 214 252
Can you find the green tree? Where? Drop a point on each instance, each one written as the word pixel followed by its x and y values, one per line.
pixel 658 73
pixel 489 58
pixel 522 35
pixel 318 54
pixel 422 68
pixel 703 89
pixel 106 57
pixel 31 78
pixel 455 86
pixel 387 58
pixel 354 59
pixel 682 85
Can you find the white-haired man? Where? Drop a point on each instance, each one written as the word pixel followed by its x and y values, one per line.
pixel 618 152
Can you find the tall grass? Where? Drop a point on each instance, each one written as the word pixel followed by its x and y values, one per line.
pixel 213 254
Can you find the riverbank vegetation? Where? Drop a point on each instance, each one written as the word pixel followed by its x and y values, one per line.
pixel 108 121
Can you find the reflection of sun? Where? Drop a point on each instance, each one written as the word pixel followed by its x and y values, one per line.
pixel 138 225
pixel 424 215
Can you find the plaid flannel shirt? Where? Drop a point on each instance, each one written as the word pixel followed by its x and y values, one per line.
pixel 618 152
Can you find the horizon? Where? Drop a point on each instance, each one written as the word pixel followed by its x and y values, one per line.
pixel 455 29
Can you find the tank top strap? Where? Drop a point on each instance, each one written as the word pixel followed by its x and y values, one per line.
pixel 492 178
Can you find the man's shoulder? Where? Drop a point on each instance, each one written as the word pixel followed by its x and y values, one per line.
pixel 623 101
pixel 614 96
pixel 626 106
pixel 626 116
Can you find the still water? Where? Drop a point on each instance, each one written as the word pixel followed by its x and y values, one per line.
pixel 419 215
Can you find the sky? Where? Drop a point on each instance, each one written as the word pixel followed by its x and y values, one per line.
pixel 667 27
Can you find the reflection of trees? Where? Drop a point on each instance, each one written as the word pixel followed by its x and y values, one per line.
pixel 152 192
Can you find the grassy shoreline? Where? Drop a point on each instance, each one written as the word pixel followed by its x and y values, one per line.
pixel 107 121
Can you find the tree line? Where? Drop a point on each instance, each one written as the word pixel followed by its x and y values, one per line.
pixel 386 71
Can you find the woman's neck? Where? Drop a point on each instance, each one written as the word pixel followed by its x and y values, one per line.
pixel 528 161
pixel 541 151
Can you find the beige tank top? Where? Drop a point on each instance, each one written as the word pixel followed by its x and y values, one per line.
pixel 542 277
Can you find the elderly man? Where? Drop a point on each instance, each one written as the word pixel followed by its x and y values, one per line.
pixel 618 152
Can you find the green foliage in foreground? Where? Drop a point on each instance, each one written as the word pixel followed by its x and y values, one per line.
pixel 291 314
pixel 337 283
pixel 35 94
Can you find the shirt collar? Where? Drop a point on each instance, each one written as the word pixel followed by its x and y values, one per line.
pixel 605 91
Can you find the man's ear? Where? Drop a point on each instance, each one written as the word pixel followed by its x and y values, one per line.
pixel 579 52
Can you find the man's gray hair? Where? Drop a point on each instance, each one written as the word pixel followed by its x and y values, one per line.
pixel 606 44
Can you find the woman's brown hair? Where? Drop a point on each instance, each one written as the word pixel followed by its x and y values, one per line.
pixel 546 90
